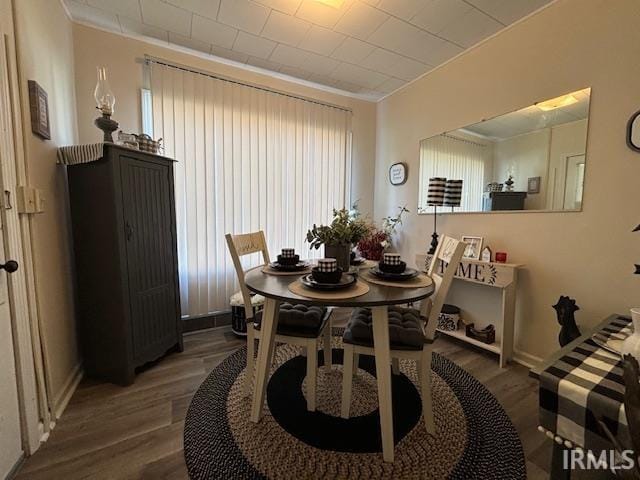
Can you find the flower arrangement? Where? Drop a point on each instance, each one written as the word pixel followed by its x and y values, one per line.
pixel 377 240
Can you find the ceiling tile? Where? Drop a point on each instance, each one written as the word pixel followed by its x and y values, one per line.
pixel 358 75
pixel 229 54
pixel 404 9
pixel 189 43
pixel 321 40
pixel 408 69
pixel 444 52
pixel 381 60
pixel 320 14
pixel 320 64
pixel 361 20
pixel 508 11
pixel 391 85
pixel 94 16
pixel 294 72
pixel 285 6
pixel 126 8
pixel 322 79
pixel 210 31
pixel 204 8
pixel 262 63
pixel 405 39
pixel 353 50
pixel 439 14
pixel 132 26
pixel 284 28
pixel 471 28
pixel 167 17
pixel 254 46
pixel 290 56
pixel 243 14
pixel 348 86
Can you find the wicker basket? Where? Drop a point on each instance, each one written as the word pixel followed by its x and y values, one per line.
pixel 449 318
pixel 238 317
pixel 148 144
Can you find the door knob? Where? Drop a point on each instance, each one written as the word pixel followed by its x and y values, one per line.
pixel 11 266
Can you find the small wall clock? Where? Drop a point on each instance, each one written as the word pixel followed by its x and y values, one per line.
pixel 398 173
pixel 633 132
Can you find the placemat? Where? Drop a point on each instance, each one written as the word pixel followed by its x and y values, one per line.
pixel 422 280
pixel 272 271
pixel 356 290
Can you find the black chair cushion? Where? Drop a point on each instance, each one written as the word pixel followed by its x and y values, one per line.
pixel 405 329
pixel 297 320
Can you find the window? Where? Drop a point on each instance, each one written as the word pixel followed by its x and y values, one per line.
pixel 247 159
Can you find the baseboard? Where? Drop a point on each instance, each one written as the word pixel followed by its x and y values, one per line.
pixel 193 324
pixel 16 467
pixel 526 359
pixel 61 402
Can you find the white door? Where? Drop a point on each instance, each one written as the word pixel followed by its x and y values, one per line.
pixel 574 180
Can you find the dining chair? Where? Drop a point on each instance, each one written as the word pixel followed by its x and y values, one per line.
pixel 299 325
pixel 411 331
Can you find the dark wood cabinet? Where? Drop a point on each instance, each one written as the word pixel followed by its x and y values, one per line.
pixel 494 201
pixel 124 240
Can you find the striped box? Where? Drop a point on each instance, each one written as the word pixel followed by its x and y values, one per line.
pixel 288 252
pixel 435 194
pixel 391 259
pixel 327 265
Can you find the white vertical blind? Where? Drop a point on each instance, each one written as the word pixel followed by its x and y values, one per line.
pixel 247 159
pixel 458 159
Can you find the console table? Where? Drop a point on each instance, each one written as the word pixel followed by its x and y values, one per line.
pixel 492 275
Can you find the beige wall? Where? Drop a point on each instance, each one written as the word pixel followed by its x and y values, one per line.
pixel 571 45
pixel 122 57
pixel 45 54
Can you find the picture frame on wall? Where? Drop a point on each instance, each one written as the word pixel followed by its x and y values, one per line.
pixel 633 132
pixel 398 173
pixel 39 109
pixel 474 247
pixel 533 185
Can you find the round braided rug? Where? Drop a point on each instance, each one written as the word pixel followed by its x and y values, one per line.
pixel 474 436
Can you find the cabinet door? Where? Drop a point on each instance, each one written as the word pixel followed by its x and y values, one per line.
pixel 148 228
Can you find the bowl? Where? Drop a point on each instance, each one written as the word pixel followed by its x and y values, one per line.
pixel 386 268
pixel 326 277
pixel 288 260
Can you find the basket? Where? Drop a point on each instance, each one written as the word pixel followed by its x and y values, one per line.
pixel 238 314
pixel 148 144
pixel 449 318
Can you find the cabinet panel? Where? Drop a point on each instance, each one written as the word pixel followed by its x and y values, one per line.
pixel 150 256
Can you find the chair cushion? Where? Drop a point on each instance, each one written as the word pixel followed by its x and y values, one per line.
pixel 298 320
pixel 405 328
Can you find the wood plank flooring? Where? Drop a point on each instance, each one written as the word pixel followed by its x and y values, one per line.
pixel 136 432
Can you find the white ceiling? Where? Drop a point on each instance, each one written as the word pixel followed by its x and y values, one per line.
pixel 366 47
pixel 531 118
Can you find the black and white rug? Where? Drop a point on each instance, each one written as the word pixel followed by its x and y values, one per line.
pixel 474 438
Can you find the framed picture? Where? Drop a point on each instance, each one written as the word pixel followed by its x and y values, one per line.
pixel 398 173
pixel 39 106
pixel 633 132
pixel 474 247
pixel 533 185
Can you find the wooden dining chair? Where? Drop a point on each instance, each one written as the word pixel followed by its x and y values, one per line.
pixel 297 324
pixel 411 331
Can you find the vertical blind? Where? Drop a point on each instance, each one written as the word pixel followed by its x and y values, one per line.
pixel 459 159
pixel 247 159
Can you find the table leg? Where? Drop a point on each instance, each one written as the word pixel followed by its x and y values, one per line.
pixel 383 373
pixel 265 353
pixel 558 472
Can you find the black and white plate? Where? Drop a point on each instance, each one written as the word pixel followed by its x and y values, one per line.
pixel 346 280
pixel 289 268
pixel 408 274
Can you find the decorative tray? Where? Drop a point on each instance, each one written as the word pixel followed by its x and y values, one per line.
pixel 408 274
pixel 289 268
pixel 346 280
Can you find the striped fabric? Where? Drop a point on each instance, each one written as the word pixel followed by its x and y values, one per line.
pixel 74 154
pixel 435 194
pixel 327 265
pixel 583 386
pixel 453 193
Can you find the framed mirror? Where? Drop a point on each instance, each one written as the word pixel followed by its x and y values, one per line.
pixel 532 159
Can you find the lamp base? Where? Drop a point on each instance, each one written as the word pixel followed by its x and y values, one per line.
pixel 107 125
pixel 434 244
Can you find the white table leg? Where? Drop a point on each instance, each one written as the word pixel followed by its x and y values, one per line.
pixel 383 373
pixel 265 352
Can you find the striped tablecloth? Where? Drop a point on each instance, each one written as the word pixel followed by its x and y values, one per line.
pixel 74 154
pixel 582 386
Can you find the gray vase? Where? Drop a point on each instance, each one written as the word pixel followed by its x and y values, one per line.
pixel 342 254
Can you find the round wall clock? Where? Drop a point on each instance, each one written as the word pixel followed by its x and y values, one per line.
pixel 398 173
pixel 633 132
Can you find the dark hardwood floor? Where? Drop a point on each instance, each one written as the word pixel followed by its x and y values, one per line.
pixel 136 432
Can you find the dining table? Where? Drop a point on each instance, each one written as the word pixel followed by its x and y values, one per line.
pixel 275 289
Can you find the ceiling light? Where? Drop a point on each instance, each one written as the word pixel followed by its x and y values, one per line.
pixel 557 102
pixel 332 3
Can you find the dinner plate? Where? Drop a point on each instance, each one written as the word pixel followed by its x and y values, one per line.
pixel 346 280
pixel 408 274
pixel 613 345
pixel 289 268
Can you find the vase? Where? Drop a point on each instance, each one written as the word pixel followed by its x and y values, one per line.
pixel 631 345
pixel 341 252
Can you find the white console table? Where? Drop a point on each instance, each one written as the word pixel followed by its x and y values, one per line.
pixel 492 275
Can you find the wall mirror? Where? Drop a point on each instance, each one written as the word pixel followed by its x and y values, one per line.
pixel 532 159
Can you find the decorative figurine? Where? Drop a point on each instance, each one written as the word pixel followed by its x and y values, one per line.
pixel 565 310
